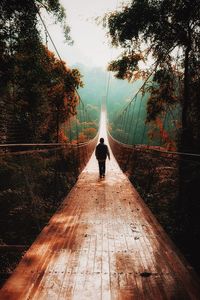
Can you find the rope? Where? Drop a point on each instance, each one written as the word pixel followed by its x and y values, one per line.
pixel 171 155
pixel 127 133
pixel 12 127
pixel 48 33
pixel 138 115
pixel 140 89
pixel 131 122
pixel 156 63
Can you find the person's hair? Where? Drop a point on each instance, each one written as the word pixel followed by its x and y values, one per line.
pixel 101 140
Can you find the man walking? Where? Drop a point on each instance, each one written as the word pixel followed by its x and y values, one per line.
pixel 101 153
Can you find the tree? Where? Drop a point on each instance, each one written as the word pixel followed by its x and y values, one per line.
pixel 168 30
pixel 161 28
pixel 38 91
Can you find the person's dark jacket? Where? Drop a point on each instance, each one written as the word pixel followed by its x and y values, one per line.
pixel 102 152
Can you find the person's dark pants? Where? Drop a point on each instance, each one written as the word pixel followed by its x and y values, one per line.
pixel 102 167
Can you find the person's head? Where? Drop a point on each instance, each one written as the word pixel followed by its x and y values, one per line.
pixel 101 140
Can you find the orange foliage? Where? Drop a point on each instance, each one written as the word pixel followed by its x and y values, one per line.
pixel 82 138
pixel 62 137
pixel 90 132
pixel 169 143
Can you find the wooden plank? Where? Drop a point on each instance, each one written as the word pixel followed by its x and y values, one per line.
pixel 101 244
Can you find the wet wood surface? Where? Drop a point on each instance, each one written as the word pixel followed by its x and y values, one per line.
pixel 103 243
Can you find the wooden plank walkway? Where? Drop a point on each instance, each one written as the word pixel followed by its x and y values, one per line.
pixel 103 243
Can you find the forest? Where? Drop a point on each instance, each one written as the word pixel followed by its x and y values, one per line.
pixel 50 112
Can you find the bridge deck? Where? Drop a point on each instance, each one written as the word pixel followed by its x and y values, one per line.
pixel 103 243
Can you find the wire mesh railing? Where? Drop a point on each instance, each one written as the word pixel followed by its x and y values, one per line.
pixel 33 182
pixel 157 175
pixel 131 127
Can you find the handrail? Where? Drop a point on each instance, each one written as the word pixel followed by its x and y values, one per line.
pixel 148 147
pixel 42 144
pixel 61 145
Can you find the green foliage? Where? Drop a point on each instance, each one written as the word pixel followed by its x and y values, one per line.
pixel 162 24
pixel 125 66
pixel 163 29
pixel 26 11
pixel 38 92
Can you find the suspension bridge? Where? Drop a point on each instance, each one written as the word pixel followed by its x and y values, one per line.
pixel 102 243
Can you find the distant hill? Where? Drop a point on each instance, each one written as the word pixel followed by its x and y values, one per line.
pixel 96 88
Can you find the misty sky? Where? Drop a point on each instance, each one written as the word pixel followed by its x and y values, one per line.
pixel 91 46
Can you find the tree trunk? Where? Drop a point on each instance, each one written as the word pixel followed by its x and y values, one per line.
pixel 188 206
pixel 186 136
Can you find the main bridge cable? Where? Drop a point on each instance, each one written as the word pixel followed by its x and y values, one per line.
pixel 139 90
pixel 124 110
pixel 156 63
pixel 86 113
pixel 14 129
pixel 58 54
pixel 165 127
pixel 124 113
pixel 24 162
pixel 82 111
pixel 132 118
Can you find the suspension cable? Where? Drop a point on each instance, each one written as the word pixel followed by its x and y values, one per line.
pixel 57 52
